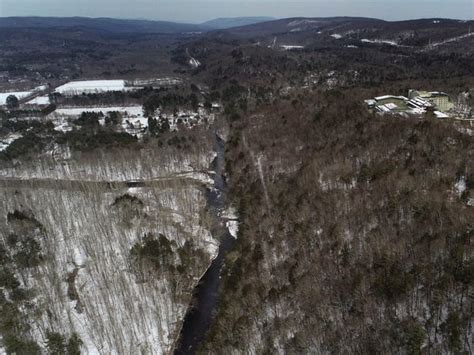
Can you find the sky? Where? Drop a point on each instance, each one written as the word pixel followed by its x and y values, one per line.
pixel 196 11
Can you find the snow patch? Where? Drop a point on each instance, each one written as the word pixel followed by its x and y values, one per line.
pixel 233 227
pixel 460 185
pixel 194 62
pixel 450 40
pixel 198 176
pixel 134 190
pixel 379 41
pixel 291 47
pixel 232 220
pixel 9 139
pixel 80 257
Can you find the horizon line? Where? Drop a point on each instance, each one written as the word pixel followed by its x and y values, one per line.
pixel 271 18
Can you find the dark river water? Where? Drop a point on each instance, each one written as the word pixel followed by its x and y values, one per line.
pixel 199 316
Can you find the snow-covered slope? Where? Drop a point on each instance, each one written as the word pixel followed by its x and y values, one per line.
pixel 87 281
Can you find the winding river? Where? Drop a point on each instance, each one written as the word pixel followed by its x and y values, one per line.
pixel 199 316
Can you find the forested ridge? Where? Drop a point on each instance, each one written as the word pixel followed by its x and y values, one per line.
pixel 353 237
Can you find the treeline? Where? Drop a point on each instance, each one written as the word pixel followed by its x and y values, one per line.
pixel 120 98
pixel 170 102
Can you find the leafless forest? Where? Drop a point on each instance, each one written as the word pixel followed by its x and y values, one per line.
pixel 354 229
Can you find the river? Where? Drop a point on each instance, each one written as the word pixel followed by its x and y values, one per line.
pixel 199 316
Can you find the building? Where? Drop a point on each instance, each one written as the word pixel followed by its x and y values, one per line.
pixel 388 103
pixel 440 100
pixel 417 103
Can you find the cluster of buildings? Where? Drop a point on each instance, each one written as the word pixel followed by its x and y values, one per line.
pixel 417 103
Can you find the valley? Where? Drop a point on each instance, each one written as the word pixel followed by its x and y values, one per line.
pixel 250 185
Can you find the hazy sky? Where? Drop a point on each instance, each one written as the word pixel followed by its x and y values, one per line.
pixel 202 10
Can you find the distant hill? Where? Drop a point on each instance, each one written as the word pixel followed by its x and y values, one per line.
pixel 230 22
pixel 351 30
pixel 100 24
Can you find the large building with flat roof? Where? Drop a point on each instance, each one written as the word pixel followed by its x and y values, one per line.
pixel 440 100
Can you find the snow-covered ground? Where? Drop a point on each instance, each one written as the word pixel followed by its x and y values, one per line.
pixel 133 120
pixel 231 217
pixel 194 62
pixel 118 313
pixel 40 88
pixel 379 41
pixel 290 47
pixel 460 185
pixel 91 86
pixel 450 40
pixel 40 100
pixel 18 94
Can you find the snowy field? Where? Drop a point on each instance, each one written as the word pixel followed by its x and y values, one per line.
pixel 77 111
pixel 18 94
pixel 91 87
pixel 40 100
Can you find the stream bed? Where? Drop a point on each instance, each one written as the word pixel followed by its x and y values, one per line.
pixel 199 316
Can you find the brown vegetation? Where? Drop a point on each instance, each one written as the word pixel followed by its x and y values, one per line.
pixel 352 237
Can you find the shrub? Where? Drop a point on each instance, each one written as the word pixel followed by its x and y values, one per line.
pixel 28 254
pixel 55 343
pixel 393 282
pixel 12 102
pixel 156 252
pixel 19 346
pixel 127 199
pixel 85 140
pixel 8 279
pixel 113 118
pixel 415 336
pixel 90 119
pixel 452 328
pixel 74 345
pixel 16 215
pixel 26 145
